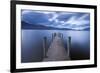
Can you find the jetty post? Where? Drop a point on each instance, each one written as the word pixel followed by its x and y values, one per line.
pixel 69 45
pixel 53 36
pixel 44 46
pixel 61 35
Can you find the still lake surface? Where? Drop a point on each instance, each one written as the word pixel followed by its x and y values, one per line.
pixel 32 44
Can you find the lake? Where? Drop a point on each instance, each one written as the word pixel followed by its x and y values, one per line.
pixel 32 44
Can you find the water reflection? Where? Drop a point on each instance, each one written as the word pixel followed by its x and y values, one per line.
pixel 32 47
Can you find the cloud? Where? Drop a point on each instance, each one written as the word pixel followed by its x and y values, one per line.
pixel 25 12
pixel 54 17
pixel 72 20
pixel 84 16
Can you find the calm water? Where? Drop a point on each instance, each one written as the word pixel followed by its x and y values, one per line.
pixel 32 49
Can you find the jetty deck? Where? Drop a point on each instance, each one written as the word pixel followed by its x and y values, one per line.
pixel 57 51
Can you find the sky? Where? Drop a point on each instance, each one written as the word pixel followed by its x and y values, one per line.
pixel 57 19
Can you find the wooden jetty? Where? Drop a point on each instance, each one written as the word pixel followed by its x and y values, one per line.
pixel 56 50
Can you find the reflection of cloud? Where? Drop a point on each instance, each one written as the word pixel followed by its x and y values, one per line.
pixel 72 20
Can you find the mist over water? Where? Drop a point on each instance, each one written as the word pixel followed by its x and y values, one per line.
pixel 32 44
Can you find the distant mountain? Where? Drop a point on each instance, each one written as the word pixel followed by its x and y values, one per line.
pixel 26 25
pixel 31 26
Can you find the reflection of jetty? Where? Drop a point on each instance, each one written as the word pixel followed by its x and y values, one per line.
pixel 56 50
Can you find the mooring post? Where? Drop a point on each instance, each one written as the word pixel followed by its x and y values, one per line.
pixel 59 34
pixel 69 45
pixel 52 36
pixel 44 46
pixel 55 34
pixel 62 36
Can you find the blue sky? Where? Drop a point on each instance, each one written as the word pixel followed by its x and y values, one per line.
pixel 57 19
